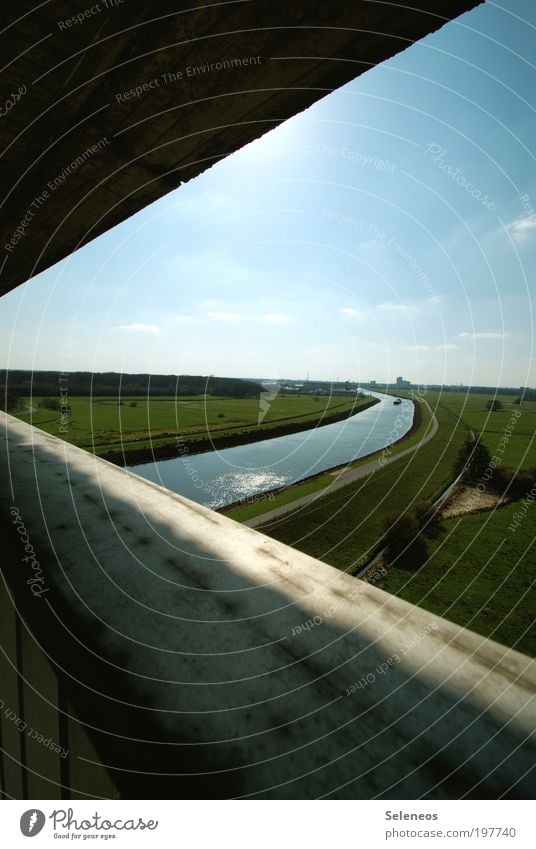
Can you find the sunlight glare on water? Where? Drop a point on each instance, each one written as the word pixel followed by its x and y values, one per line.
pixel 218 478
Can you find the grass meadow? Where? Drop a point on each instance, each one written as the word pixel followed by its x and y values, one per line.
pixel 479 572
pixel 102 425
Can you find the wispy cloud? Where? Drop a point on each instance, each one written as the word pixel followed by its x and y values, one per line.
pixel 391 306
pixel 416 347
pixel 351 312
pixel 224 316
pixel 487 334
pixel 448 347
pixel 144 329
pixel 270 317
pixel 523 229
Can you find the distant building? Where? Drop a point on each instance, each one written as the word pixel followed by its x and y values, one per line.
pixel 403 384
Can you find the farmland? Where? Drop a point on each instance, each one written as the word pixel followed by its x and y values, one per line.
pixel 138 426
pixel 520 448
pixel 480 574
pixel 478 571
pixel 480 567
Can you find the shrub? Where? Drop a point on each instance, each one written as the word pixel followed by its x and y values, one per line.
pixel 515 483
pixel 49 403
pixel 404 541
pixel 475 457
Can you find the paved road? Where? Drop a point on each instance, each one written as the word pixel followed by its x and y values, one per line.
pixel 342 480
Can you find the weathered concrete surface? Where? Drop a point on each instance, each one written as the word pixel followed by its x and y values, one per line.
pixel 209 660
pixel 63 90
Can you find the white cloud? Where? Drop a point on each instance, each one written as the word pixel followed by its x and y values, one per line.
pixel 224 316
pixel 275 316
pixel 488 334
pixel 523 229
pixel 448 347
pixel 145 329
pixel 182 318
pixel 351 312
pixel 416 347
pixel 393 307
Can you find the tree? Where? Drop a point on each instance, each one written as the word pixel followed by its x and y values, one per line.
pixel 514 483
pixel 464 454
pixel 428 518
pixel 9 399
pixel 494 406
pixel 404 540
pixel 49 403
pixel 474 457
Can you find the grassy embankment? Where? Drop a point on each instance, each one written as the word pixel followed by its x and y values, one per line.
pixel 157 426
pixel 479 572
pixel 344 528
pixel 316 483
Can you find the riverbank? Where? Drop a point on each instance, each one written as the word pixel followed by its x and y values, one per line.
pixel 291 497
pixel 182 447
pixel 345 526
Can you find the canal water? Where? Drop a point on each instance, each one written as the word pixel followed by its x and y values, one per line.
pixel 218 478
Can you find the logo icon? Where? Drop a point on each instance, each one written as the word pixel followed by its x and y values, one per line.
pixel 31 822
pixel 270 391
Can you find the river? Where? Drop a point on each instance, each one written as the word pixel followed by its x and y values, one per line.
pixel 218 478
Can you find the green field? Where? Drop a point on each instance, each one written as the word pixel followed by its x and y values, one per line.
pixel 519 451
pixel 478 572
pixel 102 425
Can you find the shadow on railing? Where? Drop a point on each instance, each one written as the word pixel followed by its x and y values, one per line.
pixel 164 651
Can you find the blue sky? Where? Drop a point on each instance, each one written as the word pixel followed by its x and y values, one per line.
pixel 390 229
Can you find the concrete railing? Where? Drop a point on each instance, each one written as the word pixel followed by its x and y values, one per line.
pixel 174 653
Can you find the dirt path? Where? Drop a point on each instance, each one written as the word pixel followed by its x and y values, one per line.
pixel 343 479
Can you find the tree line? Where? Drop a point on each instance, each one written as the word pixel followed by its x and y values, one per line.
pixel 15 384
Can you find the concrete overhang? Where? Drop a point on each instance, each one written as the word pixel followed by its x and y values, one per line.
pixel 102 112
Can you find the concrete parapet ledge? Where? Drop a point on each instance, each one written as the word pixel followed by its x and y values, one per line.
pixel 208 661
